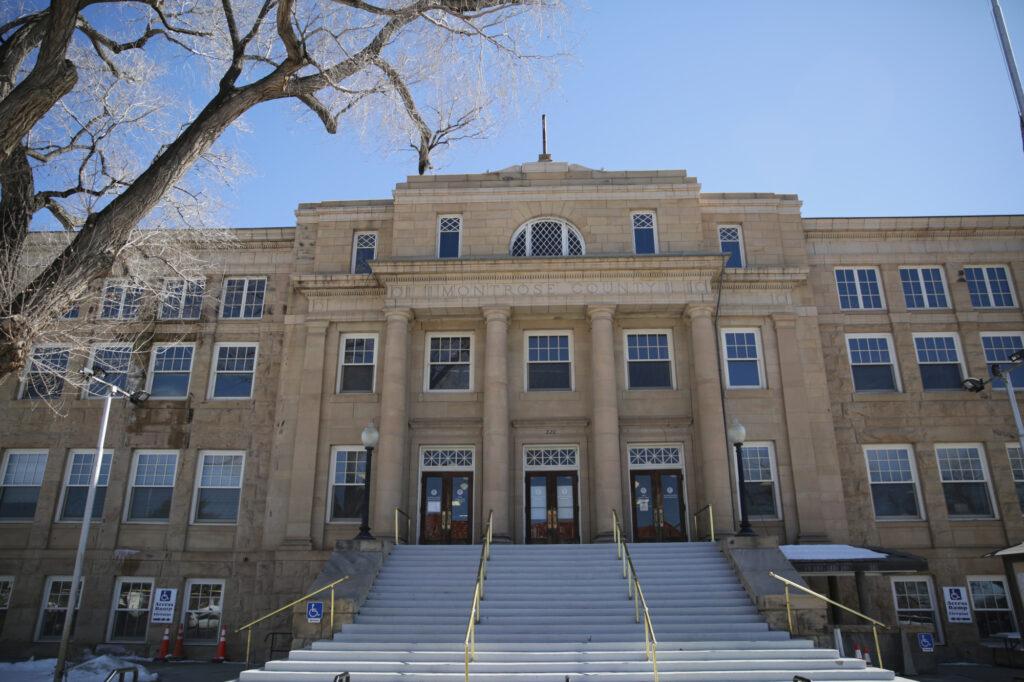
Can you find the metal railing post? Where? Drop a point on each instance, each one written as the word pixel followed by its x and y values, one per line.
pixel 789 611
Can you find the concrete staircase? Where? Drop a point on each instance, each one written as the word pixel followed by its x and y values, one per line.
pixel 553 613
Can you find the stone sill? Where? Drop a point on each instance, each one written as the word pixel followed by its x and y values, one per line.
pixel 731 393
pixel 354 397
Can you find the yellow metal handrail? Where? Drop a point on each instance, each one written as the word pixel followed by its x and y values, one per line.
pixel 478 593
pixel 789 611
pixel 711 519
pixel 248 626
pixel 636 593
pixel 408 526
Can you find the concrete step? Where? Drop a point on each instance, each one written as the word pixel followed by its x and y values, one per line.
pixel 453 655
pixel 722 644
pixel 868 675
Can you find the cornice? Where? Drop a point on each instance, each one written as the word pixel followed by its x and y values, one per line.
pixel 914 233
pixel 551 422
pixel 764 278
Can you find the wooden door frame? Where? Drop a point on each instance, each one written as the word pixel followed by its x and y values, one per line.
pixel 655 475
pixel 551 476
pixel 446 476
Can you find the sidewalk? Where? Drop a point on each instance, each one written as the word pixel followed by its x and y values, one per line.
pixel 196 672
pixel 962 672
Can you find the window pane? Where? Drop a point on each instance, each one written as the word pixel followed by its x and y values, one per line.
pixel 150 504
pixel 347 502
pixel 18 502
pixel 941 377
pixel 735 259
pixel 894 499
pixel 217 504
pixel 760 499
pixel 131 612
pixel 650 374
pixel 74 503
pixel 873 378
pixel 449 377
pixel 643 240
pixel 743 373
pixel 967 499
pixel 448 246
pixel 357 378
pixel 549 376
pixel 203 615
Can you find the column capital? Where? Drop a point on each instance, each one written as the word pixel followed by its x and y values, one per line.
pixel 696 310
pixel 602 311
pixel 317 326
pixel 497 313
pixel 396 314
pixel 784 320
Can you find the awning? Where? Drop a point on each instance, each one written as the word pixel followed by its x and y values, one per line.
pixel 1015 550
pixel 830 559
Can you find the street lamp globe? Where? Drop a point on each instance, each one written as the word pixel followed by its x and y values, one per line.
pixel 370 436
pixel 737 432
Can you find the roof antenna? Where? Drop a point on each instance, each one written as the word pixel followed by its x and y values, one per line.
pixel 544 156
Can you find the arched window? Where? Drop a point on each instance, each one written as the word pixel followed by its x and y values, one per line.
pixel 547 237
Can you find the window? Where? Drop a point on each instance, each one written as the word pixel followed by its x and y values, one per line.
pixel 73 312
pixel 964 481
pixel 859 289
pixel 182 299
pixel 129 614
pixel 991 603
pixel 234 371
pixel 990 286
pixel 151 486
pixel 893 478
pixel 45 376
pixel 358 358
pixel 730 239
pixel 872 362
pixel 923 288
pixel 53 610
pixel 20 483
pixel 449 236
pixel 548 361
pixel 547 237
pixel 742 349
pixel 760 481
pixel 938 358
pixel 203 610
pixel 649 360
pixel 6 590
pixel 914 600
pixel 116 363
pixel 1017 467
pixel 645 235
pixel 364 250
pixel 218 487
pixel 348 474
pixel 998 347
pixel 243 298
pixel 169 371
pixel 120 300
pixel 76 485
pixel 449 363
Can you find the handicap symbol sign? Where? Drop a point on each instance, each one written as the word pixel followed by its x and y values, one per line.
pixel 166 595
pixel 314 611
pixel 926 641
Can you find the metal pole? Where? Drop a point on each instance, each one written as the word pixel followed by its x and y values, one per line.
pixel 745 528
pixel 1011 64
pixel 1014 407
pixel 83 538
pixel 364 527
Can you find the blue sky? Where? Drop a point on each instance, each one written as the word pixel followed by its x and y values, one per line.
pixel 862 107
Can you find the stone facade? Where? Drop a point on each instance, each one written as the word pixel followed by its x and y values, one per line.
pixel 802 409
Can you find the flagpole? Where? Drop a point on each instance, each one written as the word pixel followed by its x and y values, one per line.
pixel 1011 63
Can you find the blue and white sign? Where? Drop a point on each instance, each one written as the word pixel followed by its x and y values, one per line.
pixel 957 608
pixel 163 606
pixel 926 641
pixel 314 611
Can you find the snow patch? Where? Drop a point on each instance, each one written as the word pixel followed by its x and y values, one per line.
pixel 828 553
pixel 93 670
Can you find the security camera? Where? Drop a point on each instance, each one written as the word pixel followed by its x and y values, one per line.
pixel 973 385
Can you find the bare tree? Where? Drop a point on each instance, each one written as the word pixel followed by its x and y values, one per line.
pixel 111 112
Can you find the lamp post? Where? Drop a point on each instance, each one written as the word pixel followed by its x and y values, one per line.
pixel 136 398
pixel 370 437
pixel 975 385
pixel 737 434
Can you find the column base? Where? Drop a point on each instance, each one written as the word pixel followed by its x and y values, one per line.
pixel 501 539
pixel 297 543
pixel 604 537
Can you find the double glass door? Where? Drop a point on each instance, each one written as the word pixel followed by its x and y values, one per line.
pixel 552 507
pixel 658 513
pixel 446 508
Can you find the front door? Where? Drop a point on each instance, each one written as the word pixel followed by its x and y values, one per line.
pixel 446 508
pixel 658 513
pixel 552 507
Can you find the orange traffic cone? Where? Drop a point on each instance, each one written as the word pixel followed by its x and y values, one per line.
pixel 857 653
pixel 179 644
pixel 165 646
pixel 222 647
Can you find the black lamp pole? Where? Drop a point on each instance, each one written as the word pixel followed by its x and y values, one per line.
pixel 364 527
pixel 745 528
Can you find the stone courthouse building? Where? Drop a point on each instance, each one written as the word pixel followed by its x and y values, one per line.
pixel 550 343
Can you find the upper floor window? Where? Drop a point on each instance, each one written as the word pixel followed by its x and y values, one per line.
pixel 120 300
pixel 645 235
pixel 548 362
pixel 872 362
pixel 990 286
pixel 965 481
pixel 742 350
pixel 760 481
pixel 449 236
pixel 45 376
pixel 218 487
pixel 938 357
pixel 170 370
pixel 234 371
pixel 76 485
pixel 730 238
pixel 364 250
pixel 859 289
pixel 151 486
pixel 893 480
pixel 115 360
pixel 547 237
pixel 20 481
pixel 243 298
pixel 998 347
pixel 182 299
pixel 348 478
pixel 449 362
pixel 923 288
pixel 358 356
pixel 649 360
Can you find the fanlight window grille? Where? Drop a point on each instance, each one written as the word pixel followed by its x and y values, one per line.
pixel 551 457
pixel 446 458
pixel 547 237
pixel 655 455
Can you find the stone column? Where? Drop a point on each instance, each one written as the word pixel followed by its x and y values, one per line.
pixel 389 458
pixel 496 465
pixel 307 438
pixel 715 452
pixel 606 453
